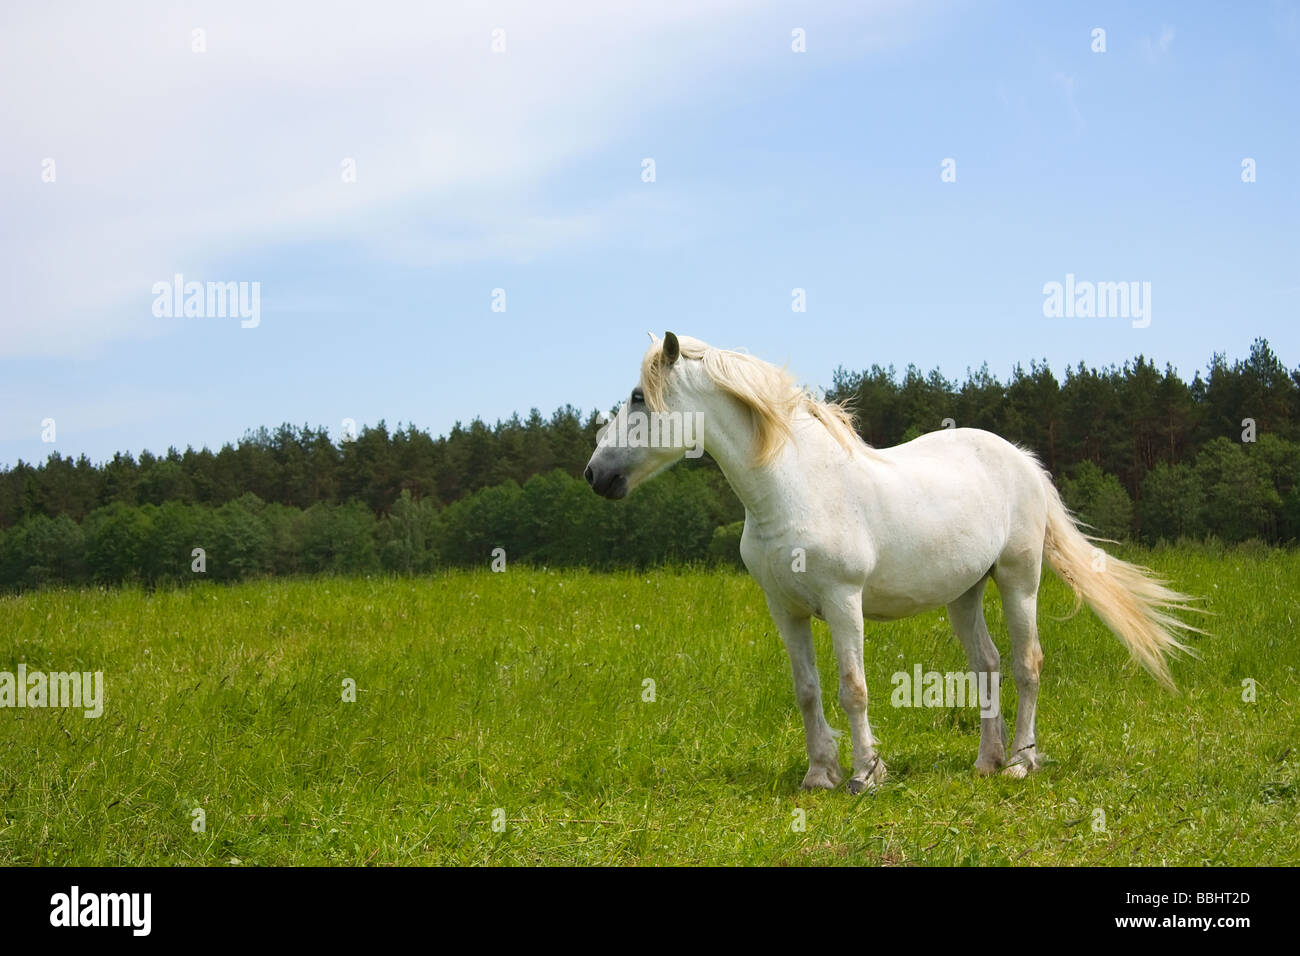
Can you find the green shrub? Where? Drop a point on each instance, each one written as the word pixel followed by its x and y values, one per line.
pixel 725 546
pixel 1099 500
pixel 1172 505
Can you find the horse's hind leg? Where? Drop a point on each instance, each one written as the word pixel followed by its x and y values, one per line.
pixel 967 615
pixel 1018 585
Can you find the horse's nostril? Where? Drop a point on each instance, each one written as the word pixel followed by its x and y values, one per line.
pixel 589 475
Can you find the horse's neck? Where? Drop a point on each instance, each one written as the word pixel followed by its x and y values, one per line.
pixel 767 492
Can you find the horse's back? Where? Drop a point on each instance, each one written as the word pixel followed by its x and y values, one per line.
pixel 955 463
pixel 943 509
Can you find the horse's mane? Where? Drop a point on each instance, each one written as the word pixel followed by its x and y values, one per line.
pixel 771 394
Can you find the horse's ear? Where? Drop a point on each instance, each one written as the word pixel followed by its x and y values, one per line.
pixel 672 348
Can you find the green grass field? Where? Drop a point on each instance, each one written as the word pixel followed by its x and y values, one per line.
pixel 518 697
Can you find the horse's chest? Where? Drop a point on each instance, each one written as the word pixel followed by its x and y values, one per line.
pixel 797 575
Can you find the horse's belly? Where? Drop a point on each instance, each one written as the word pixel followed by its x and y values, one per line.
pixel 895 590
pixel 878 606
pixel 884 605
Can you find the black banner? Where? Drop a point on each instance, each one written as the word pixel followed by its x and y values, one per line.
pixel 332 905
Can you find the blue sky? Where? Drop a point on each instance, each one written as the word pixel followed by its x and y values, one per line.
pixel 522 170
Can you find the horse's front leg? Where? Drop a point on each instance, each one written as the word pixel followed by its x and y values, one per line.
pixel 823 754
pixel 845 620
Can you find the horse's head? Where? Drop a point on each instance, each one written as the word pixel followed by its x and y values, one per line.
pixel 652 430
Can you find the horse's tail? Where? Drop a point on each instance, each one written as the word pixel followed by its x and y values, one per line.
pixel 1133 603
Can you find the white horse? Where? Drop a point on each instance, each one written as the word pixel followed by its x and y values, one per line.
pixel 841 531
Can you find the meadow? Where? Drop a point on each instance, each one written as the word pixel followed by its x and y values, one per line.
pixel 505 718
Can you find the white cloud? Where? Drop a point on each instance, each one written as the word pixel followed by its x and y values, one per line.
pixel 172 161
pixel 1069 85
pixel 1156 49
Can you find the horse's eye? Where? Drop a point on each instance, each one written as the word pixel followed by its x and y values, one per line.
pixel 638 397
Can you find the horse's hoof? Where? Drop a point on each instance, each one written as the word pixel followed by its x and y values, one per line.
pixel 1023 765
pixel 821 778
pixel 869 780
pixel 986 768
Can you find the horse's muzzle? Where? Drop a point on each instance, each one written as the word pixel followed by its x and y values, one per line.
pixel 607 484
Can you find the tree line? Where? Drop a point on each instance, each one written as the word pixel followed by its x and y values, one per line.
pixel 1138 452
